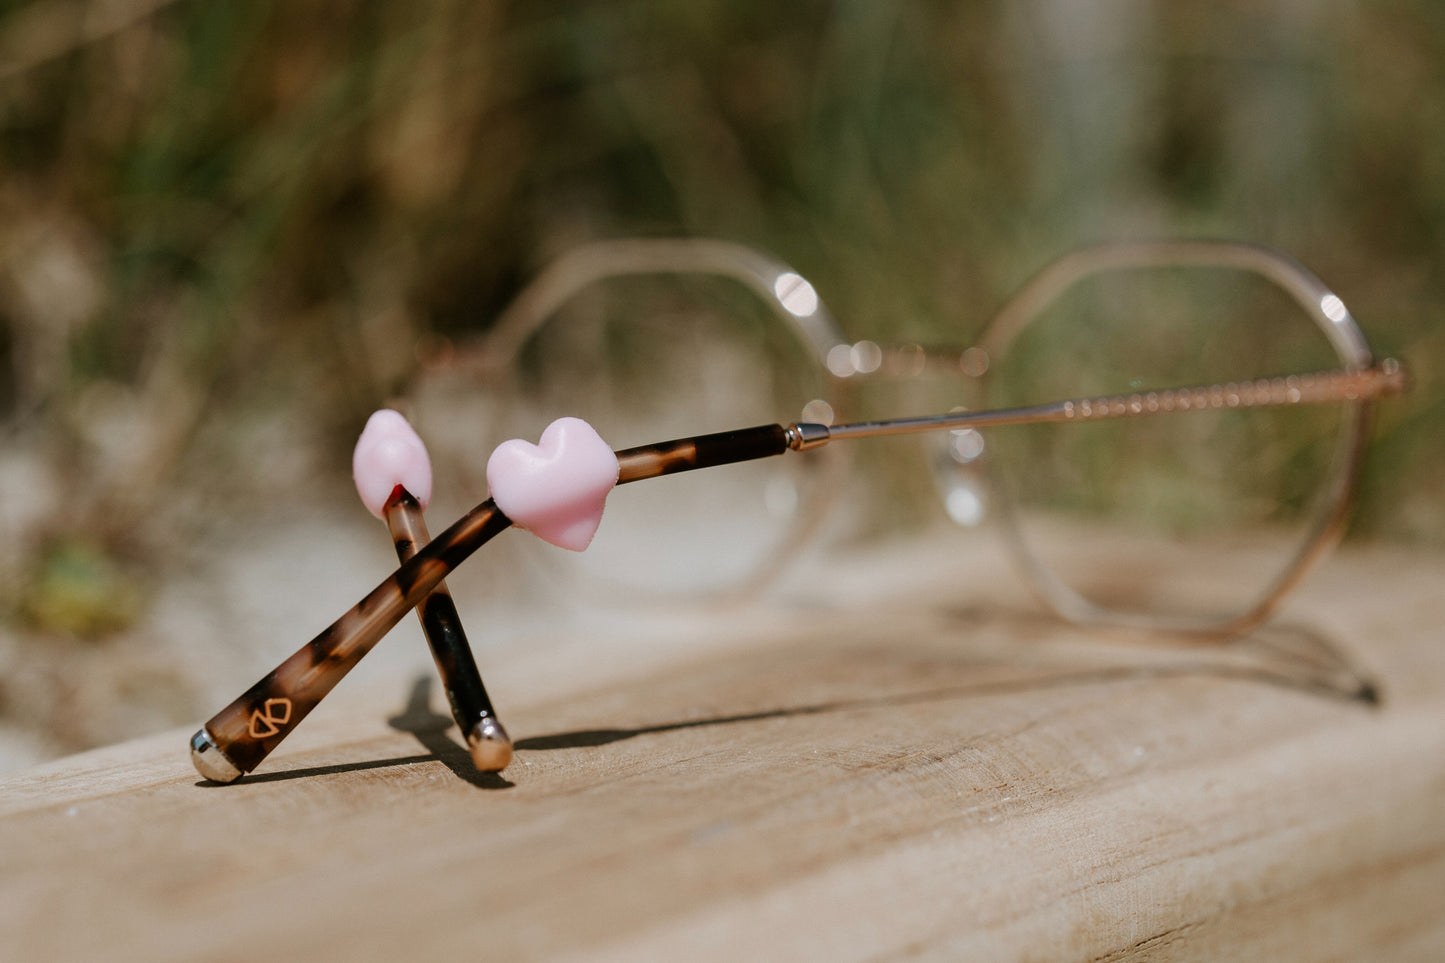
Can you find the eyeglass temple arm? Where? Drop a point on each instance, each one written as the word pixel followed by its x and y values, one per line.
pixel 239 737
pixel 1384 379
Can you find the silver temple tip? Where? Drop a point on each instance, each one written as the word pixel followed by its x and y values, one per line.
pixel 490 745
pixel 209 761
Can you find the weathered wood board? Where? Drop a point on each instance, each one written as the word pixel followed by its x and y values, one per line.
pixel 908 775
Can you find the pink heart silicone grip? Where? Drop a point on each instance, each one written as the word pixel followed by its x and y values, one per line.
pixel 557 488
pixel 390 453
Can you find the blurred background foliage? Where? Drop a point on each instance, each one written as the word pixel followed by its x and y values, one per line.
pixel 229 230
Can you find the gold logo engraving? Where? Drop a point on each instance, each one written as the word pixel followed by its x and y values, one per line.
pixel 268 720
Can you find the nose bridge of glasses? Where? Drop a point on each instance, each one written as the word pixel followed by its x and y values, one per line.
pixel 862 361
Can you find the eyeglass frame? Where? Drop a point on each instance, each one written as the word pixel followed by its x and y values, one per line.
pixel 816 329
pixel 227 747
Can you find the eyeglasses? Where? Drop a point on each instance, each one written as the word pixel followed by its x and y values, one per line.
pixel 1263 450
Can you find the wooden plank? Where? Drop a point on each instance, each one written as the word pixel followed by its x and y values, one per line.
pixel 909 777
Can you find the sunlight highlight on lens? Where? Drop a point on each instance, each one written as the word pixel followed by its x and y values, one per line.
pixel 866 357
pixel 840 360
pixel 1334 308
pixel 818 412
pixel 846 360
pixel 966 445
pixel 964 506
pixel 796 295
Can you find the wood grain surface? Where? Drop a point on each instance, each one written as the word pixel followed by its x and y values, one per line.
pixel 890 775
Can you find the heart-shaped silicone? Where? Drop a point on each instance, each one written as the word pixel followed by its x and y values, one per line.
pixel 390 453
pixel 557 488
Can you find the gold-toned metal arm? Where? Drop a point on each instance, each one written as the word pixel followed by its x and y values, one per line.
pixel 1380 380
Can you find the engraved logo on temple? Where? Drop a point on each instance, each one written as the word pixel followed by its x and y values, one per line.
pixel 268 720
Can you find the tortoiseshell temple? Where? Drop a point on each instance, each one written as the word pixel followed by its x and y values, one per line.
pixel 487 739
pixel 703 451
pixel 244 733
pixel 241 735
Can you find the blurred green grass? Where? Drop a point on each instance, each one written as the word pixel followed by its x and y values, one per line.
pixel 227 229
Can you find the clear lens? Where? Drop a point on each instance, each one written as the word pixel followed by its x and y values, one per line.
pixel 1190 514
pixel 654 357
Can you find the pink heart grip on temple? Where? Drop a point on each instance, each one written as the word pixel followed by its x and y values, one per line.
pixel 390 453
pixel 557 488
